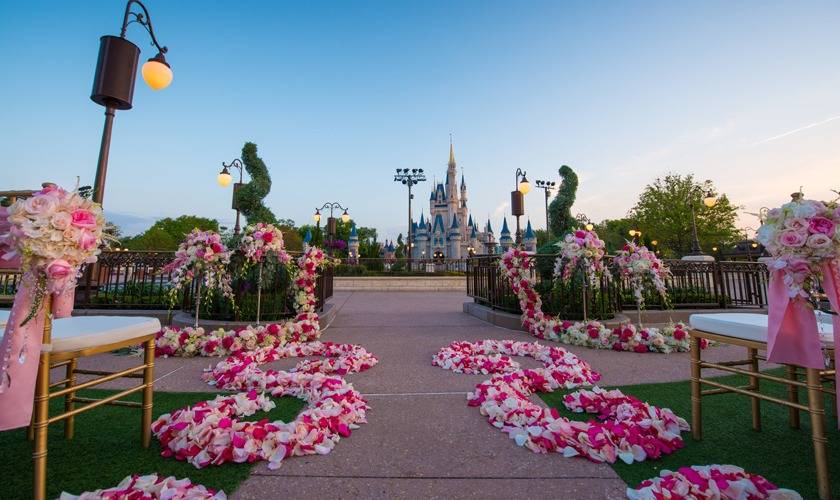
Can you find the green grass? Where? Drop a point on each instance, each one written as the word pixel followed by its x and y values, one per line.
pixel 106 448
pixel 781 454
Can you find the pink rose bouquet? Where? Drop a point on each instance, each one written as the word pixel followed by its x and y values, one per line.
pixel 799 236
pixel 201 255
pixel 260 240
pixel 642 269
pixel 582 250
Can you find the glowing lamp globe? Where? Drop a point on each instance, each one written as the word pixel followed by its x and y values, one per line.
pixel 156 73
pixel 345 217
pixel 317 217
pixel 709 200
pixel 524 185
pixel 224 178
pixel 589 226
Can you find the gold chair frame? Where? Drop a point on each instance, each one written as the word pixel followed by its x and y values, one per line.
pixel 817 383
pixel 40 415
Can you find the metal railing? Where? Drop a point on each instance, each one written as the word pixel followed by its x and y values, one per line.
pixel 692 285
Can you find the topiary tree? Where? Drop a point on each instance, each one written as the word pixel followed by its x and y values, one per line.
pixel 560 218
pixel 249 196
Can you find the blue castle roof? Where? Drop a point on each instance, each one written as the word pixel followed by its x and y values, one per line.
pixel 308 237
pixel 505 230
pixel 454 222
pixel 353 233
pixel 439 224
pixel 529 232
pixel 489 227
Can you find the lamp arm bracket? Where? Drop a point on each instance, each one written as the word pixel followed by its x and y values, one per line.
pixel 142 18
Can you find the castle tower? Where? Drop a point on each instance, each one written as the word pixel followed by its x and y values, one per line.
pixel 353 243
pixel 439 235
pixel 504 237
pixel 474 238
pixel 421 240
pixel 489 239
pixel 530 239
pixel 454 239
pixel 452 181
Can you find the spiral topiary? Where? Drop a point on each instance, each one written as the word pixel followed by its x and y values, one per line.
pixel 560 218
pixel 250 195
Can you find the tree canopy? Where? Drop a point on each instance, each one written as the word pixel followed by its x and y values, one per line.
pixel 167 233
pixel 663 213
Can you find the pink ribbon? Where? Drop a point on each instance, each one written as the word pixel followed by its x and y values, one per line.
pixel 831 285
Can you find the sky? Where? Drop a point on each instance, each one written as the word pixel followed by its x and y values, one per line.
pixel 337 95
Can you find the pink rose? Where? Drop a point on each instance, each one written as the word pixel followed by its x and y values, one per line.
pixel 40 205
pixel 268 237
pixel 217 247
pixel 792 238
pixel 819 241
pixel 83 218
pixel 61 220
pixel 796 224
pixel 821 225
pixel 86 240
pixel 59 269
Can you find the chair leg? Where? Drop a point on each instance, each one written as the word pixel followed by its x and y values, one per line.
pixel 39 424
pixel 817 411
pixel 696 411
pixel 793 397
pixel 754 386
pixel 148 392
pixel 70 422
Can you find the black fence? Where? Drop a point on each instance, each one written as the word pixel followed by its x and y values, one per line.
pixel 134 280
pixel 692 285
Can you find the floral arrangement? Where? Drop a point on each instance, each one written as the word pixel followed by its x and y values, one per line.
pixel 303 284
pixel 261 239
pixel 210 432
pixel 53 232
pixel 642 269
pixel 201 254
pixel 582 250
pixel 799 236
pixel 723 482
pixel 152 486
pixel 188 342
pixel 515 265
pixel 241 371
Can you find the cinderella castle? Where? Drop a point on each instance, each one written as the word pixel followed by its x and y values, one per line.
pixel 450 231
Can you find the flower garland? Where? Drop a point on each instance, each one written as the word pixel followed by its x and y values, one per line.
pixel 152 486
pixel 642 268
pixel 720 482
pixel 241 372
pixel 260 240
pixel 304 283
pixel 201 254
pixel 582 250
pixel 800 235
pixel 515 265
pixel 211 433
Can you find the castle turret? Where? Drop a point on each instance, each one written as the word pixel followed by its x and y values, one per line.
pixel 530 239
pixel 307 238
pixel 421 239
pixel 504 237
pixel 454 239
pixel 353 244
pixel 473 238
pixel 489 239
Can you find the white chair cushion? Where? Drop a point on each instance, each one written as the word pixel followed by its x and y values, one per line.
pixel 81 332
pixel 746 326
pixel 4 317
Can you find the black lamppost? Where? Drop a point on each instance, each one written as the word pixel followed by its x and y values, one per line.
pixel 113 83
pixel 224 179
pixel 517 201
pixel 548 186
pixel 709 200
pixel 345 218
pixel 409 178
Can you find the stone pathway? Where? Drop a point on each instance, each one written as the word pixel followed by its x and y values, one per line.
pixel 422 440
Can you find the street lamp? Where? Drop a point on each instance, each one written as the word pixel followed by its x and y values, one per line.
pixel 224 178
pixel 635 233
pixel 548 187
pixel 345 217
pixel 517 201
pixel 709 200
pixel 113 82
pixel 409 178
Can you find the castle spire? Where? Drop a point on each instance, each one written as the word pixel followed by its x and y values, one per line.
pixel 451 152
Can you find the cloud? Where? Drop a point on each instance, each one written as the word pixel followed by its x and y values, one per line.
pixel 501 209
pixel 800 129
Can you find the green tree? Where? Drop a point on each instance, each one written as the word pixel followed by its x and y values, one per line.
pixel 560 210
pixel 663 213
pixel 292 240
pixel 167 233
pixel 249 197
pixel 615 232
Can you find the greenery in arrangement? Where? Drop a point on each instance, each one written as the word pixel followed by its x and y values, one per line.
pixel 166 234
pixel 249 197
pixel 107 448
pixel 782 455
pixel 663 212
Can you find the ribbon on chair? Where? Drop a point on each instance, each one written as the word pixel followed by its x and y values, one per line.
pixel 831 285
pixel 20 348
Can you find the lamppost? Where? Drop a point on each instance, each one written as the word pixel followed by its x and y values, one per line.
pixel 409 178
pixel 517 201
pixel 749 244
pixel 709 200
pixel 635 233
pixel 585 222
pixel 113 82
pixel 548 186
pixel 224 179
pixel 345 218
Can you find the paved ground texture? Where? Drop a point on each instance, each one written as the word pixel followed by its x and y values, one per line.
pixel 422 440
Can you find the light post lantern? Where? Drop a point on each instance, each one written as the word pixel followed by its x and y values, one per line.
pixel 409 178
pixel 709 200
pixel 517 201
pixel 635 233
pixel 224 179
pixel 331 222
pixel 113 82
pixel 548 187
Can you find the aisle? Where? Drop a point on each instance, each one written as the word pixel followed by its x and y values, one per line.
pixel 422 440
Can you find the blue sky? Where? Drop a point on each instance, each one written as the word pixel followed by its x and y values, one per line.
pixel 339 94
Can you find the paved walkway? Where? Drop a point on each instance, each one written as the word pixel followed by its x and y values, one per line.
pixel 422 440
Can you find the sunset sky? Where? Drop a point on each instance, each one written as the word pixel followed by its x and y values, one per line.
pixel 339 94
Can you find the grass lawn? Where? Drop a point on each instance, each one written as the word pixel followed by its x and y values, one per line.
pixel 781 454
pixel 106 448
